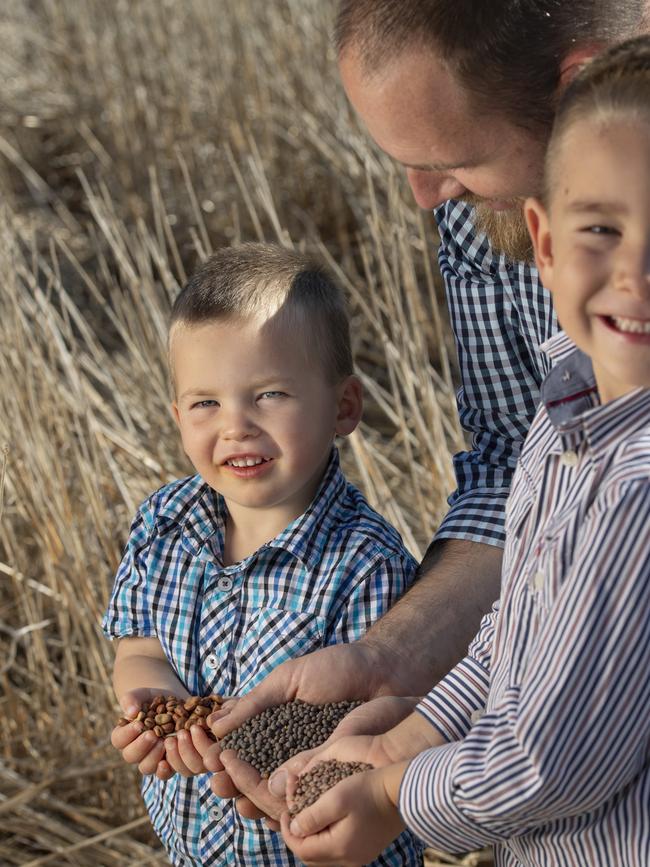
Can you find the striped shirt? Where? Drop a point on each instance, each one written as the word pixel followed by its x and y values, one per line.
pixel 323 580
pixel 500 314
pixel 548 717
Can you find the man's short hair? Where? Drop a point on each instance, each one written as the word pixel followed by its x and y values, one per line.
pixel 506 53
pixel 275 286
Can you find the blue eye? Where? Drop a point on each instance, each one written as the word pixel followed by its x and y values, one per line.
pixel 601 230
pixel 272 394
pixel 204 404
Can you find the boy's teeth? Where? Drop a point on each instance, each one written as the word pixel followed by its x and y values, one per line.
pixel 246 462
pixel 636 326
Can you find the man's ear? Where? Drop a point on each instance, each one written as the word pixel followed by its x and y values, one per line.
pixel 540 234
pixel 350 405
pixel 575 60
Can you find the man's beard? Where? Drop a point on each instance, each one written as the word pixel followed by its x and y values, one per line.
pixel 506 230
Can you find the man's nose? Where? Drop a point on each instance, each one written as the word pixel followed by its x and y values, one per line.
pixel 432 189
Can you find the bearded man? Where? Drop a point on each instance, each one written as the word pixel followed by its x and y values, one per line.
pixel 462 94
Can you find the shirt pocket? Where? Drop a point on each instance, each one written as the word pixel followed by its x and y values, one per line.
pixel 553 558
pixel 273 636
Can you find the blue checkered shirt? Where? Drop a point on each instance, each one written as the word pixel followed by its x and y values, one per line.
pixel 500 315
pixel 325 579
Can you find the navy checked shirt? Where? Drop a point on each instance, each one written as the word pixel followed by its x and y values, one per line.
pixel 325 579
pixel 500 314
pixel 548 716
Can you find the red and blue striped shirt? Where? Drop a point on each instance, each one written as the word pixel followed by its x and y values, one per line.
pixel 548 716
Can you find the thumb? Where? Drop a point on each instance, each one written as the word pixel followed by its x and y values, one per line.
pixel 282 780
pixel 231 716
pixel 131 701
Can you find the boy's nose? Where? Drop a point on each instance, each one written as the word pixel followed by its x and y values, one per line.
pixel 633 272
pixel 237 425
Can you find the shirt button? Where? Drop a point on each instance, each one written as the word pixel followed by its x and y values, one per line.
pixel 536 583
pixel 216 813
pixel 224 583
pixel 476 716
pixel 569 459
pixel 212 662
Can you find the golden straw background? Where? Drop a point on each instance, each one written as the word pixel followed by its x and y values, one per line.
pixel 136 137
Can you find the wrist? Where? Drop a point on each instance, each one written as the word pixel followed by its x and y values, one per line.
pixel 392 776
pixel 383 665
pixel 411 737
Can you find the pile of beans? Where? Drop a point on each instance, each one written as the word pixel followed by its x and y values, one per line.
pixel 323 776
pixel 166 715
pixel 278 733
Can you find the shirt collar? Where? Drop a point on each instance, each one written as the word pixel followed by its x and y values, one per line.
pixel 197 509
pixel 201 512
pixel 570 395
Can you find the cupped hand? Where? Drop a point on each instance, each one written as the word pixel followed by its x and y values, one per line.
pixel 337 673
pixel 138 746
pixel 356 738
pixel 185 750
pixel 349 825
pixel 142 748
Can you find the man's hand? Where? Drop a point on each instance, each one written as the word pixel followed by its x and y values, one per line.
pixel 233 778
pixel 351 823
pixel 337 673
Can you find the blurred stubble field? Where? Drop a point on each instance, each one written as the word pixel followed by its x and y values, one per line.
pixel 136 137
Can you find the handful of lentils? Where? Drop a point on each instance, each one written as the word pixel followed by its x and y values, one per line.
pixel 276 734
pixel 323 776
pixel 166 715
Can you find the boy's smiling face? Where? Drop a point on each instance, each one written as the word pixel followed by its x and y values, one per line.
pixel 256 418
pixel 593 247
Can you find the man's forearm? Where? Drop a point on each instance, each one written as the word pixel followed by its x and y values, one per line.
pixel 428 631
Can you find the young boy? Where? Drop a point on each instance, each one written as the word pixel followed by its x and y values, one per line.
pixel 265 554
pixel 539 740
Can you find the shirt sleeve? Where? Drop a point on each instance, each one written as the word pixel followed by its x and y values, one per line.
pixel 453 703
pixel 500 372
pixel 129 607
pixel 575 731
pixel 384 579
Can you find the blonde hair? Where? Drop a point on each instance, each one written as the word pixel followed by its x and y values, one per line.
pixel 615 85
pixel 275 286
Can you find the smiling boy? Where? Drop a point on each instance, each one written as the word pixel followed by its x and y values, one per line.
pixel 267 552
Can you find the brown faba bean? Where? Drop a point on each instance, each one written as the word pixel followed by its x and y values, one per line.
pixel 165 715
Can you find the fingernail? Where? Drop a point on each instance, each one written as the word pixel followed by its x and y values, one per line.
pixel 137 726
pixel 295 828
pixel 217 715
pixel 278 783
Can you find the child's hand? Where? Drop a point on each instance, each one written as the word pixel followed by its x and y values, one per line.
pixel 185 751
pixel 138 746
pixel 142 748
pixel 358 738
pixel 351 823
pixel 370 749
